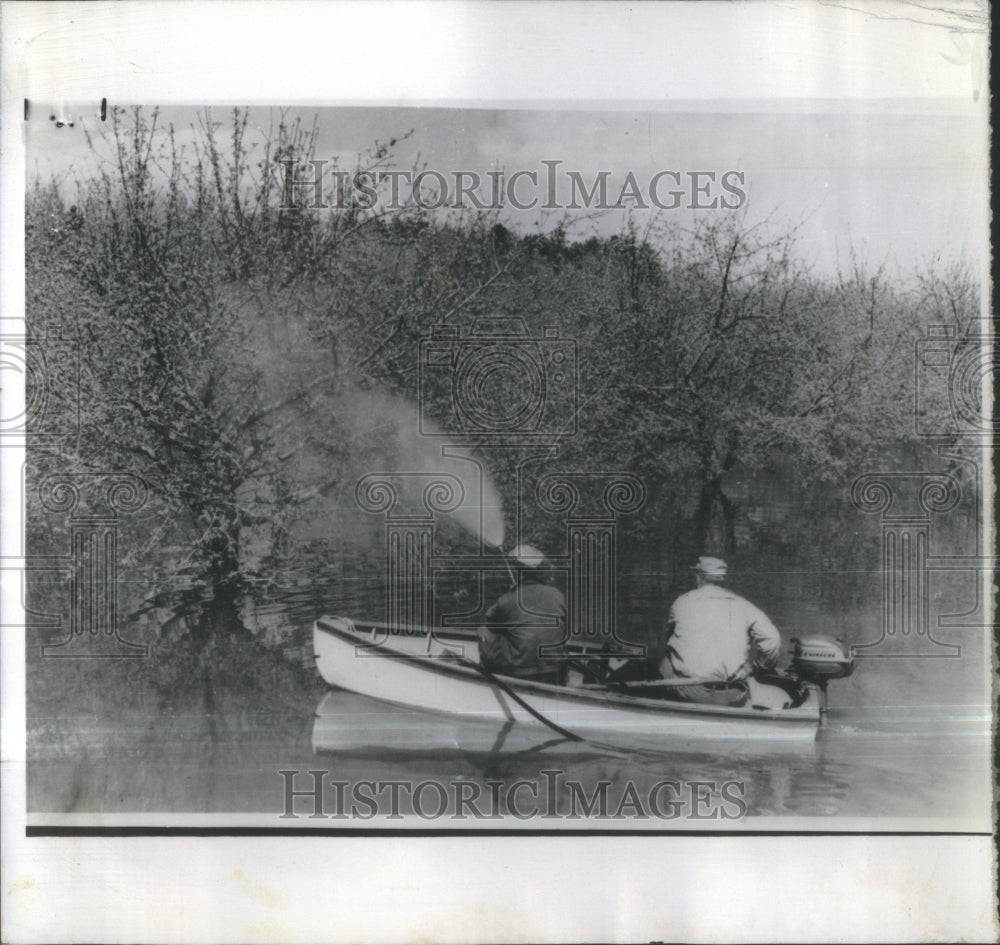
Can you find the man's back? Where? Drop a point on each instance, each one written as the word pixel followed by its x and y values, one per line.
pixel 713 629
pixel 522 620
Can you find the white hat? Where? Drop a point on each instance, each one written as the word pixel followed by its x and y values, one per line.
pixel 711 567
pixel 527 555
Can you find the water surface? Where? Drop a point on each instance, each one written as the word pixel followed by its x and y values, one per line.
pixel 204 729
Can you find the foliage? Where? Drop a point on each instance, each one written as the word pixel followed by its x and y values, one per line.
pixel 240 357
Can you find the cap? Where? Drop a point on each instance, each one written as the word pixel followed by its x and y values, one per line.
pixel 711 567
pixel 527 555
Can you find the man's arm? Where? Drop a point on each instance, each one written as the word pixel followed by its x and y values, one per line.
pixel 766 639
pixel 659 647
pixel 490 622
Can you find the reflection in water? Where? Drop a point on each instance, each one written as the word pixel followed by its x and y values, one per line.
pixel 228 699
pixel 847 771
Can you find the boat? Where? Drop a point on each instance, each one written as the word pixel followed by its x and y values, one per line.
pixel 438 671
pixel 350 725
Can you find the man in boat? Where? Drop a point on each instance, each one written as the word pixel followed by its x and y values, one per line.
pixel 525 627
pixel 714 634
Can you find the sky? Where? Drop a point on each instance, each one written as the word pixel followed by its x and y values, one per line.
pixel 899 182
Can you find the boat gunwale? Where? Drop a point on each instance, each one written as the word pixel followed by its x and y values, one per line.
pixel 801 715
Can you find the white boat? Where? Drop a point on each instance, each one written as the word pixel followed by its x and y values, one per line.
pixel 348 724
pixel 438 672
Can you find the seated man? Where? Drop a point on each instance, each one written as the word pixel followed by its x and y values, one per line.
pixel 531 615
pixel 714 634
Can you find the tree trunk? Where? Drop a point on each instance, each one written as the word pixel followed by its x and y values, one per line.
pixel 714 519
pixel 727 519
pixel 703 516
pixel 222 573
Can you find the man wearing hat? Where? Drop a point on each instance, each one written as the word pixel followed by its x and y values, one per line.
pixel 531 615
pixel 714 634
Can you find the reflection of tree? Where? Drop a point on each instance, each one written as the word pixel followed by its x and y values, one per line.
pixel 205 658
pixel 200 725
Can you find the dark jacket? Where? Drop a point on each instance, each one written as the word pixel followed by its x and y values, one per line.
pixel 530 616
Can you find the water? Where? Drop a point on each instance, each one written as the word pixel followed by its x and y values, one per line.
pixel 207 728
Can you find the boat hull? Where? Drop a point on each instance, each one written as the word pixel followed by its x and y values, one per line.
pixel 417 671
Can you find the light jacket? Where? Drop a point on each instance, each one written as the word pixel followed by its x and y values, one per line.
pixel 719 635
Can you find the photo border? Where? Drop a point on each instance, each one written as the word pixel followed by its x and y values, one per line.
pixel 623 887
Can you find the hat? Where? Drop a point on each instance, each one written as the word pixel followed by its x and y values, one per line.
pixel 527 555
pixel 711 567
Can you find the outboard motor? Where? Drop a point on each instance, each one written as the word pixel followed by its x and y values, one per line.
pixel 818 659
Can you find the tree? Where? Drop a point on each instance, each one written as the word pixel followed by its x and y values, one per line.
pixel 228 341
pixel 192 295
pixel 246 360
